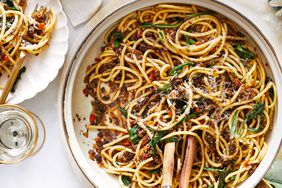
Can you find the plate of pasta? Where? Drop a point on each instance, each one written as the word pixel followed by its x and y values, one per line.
pixel 36 32
pixel 178 94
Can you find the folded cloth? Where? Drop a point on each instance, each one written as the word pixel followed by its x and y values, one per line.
pixel 80 11
pixel 274 173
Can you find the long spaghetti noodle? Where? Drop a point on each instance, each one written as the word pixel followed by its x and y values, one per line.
pixel 171 71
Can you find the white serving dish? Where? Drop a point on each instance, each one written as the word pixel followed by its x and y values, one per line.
pixel 42 69
pixel 74 102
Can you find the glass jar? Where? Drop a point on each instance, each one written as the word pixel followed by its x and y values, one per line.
pixel 19 134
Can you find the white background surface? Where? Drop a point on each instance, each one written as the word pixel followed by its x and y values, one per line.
pixel 51 167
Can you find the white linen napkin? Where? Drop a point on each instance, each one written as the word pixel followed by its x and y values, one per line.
pixel 80 11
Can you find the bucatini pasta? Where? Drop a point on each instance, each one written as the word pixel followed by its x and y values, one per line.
pixel 171 71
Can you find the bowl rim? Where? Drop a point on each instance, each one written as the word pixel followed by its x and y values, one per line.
pixel 74 53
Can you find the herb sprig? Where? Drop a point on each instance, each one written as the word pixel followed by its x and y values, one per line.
pixel 133 136
pixel 160 26
pixel 189 41
pixel 123 112
pixel 18 78
pixel 157 139
pixel 165 89
pixel 233 127
pixel 126 180
pixel 214 169
pixel 177 69
pixel 117 37
pixel 257 111
pixel 243 52
pixel 10 4
pixel 254 114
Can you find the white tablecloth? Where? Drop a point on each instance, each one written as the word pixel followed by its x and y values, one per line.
pixel 51 167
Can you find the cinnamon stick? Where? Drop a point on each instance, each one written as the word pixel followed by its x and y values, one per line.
pixel 168 165
pixel 188 162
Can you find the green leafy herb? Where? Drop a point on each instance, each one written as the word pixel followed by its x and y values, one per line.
pixel 165 89
pixel 161 36
pixel 223 174
pixel 189 41
pixel 171 139
pixel 150 129
pixel 10 4
pixel 155 140
pixel 126 180
pixel 19 76
pixel 199 14
pixel 233 178
pixel 260 128
pixel 123 112
pixel 117 43
pixel 243 52
pixel 233 127
pixel 257 111
pixel 133 136
pixel 211 186
pixel 222 184
pixel 177 69
pixel 156 171
pixel 117 37
pixel 180 104
pixel 270 91
pixel 160 26
pixel 197 75
pixel 190 116
pixel 214 169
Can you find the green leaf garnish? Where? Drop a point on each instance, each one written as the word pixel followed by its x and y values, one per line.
pixel 257 111
pixel 233 127
pixel 214 169
pixel 160 26
pixel 161 36
pixel 270 91
pixel 171 139
pixel 177 69
pixel 190 116
pixel 165 89
pixel 117 43
pixel 223 174
pixel 156 171
pixel 180 103
pixel 133 136
pixel 126 180
pixel 189 41
pixel 117 37
pixel 233 177
pixel 243 52
pixel 10 4
pixel 18 78
pixel 155 140
pixel 260 127
pixel 123 112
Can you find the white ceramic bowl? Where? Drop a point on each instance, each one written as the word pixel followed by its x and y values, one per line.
pixel 74 102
